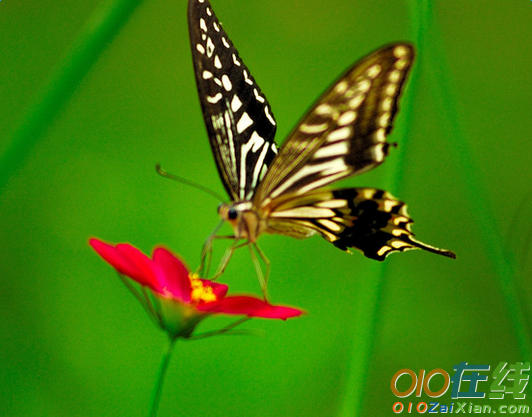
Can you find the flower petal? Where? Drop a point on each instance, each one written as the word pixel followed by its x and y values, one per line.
pixel 127 260
pixel 251 307
pixel 172 277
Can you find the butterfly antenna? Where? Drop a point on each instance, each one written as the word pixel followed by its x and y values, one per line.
pixel 166 174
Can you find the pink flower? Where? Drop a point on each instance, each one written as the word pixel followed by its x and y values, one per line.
pixel 180 300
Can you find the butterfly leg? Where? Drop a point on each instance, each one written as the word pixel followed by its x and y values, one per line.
pixel 206 252
pixel 254 250
pixel 227 256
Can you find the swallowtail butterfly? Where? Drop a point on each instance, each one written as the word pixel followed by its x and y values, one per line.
pixel 280 190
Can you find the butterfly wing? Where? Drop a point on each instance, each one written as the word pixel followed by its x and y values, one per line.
pixel 345 132
pixel 239 122
pixel 370 220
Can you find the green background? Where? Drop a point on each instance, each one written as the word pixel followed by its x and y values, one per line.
pixel 73 340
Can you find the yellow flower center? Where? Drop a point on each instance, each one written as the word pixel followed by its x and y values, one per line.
pixel 201 292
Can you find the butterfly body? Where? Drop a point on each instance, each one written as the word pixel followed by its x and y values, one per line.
pixel 246 221
pixel 343 134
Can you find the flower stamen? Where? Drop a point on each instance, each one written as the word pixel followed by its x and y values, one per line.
pixel 200 291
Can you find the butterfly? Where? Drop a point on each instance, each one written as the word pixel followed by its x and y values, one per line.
pixel 280 191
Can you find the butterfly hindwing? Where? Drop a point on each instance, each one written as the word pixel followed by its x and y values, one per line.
pixel 367 219
pixel 345 132
pixel 239 121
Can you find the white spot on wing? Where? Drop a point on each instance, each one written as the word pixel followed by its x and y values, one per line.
pixel 226 82
pixel 263 171
pixel 203 25
pixel 336 149
pixel 216 27
pixel 200 48
pixel 378 152
pixel 303 212
pixel 385 249
pixel 269 115
pixel 259 170
pixel 236 61
pixel 363 86
pixel 391 89
pixel 226 44
pixel 247 79
pixel 257 141
pixel 215 99
pixel 313 129
pixel 386 104
pixel 244 122
pixel 389 205
pixel 207 75
pixel 384 119
pixel 373 71
pixel 397 244
pixel 336 203
pixel 347 118
pixel 356 101
pixel 330 225
pixel 324 109
pixel 394 76
pixel 400 51
pixel 258 96
pixel 217 62
pixel 341 87
pixel 210 47
pixel 254 143
pixel 235 103
pixel 401 64
pixel 340 134
pixel 380 135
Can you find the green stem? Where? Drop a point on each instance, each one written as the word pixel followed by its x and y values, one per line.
pixel 161 373
pixel 99 30
pixel 369 317
pixel 467 167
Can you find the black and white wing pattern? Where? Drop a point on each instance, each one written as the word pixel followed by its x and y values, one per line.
pixel 239 121
pixel 345 131
pixel 343 134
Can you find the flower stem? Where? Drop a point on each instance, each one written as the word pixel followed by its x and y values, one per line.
pixel 94 37
pixel 369 317
pixel 502 261
pixel 161 373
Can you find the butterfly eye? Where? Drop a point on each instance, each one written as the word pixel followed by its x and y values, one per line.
pixel 232 214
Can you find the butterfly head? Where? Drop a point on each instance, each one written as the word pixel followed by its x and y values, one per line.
pixel 245 221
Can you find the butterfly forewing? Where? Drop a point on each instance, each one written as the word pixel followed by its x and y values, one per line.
pixel 345 131
pixel 239 121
